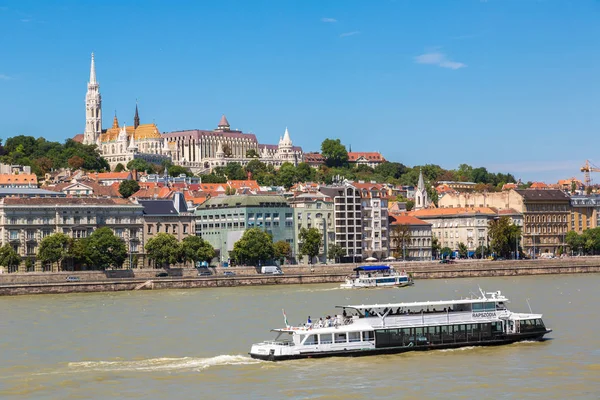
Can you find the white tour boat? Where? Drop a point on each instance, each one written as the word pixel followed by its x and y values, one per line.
pixel 371 276
pixel 395 328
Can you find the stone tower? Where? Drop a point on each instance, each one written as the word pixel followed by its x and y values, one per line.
pixel 93 108
pixel 421 199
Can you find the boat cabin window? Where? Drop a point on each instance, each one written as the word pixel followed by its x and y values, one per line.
pixel 325 338
pixel 368 336
pixel 500 306
pixel 485 306
pixel 354 336
pixel 340 338
pixel 310 340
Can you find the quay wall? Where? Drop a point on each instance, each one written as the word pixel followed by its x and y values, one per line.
pixel 118 280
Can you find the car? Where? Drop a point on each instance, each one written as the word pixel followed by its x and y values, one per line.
pixel 447 261
pixel 162 274
pixel 204 272
pixel 73 279
pixel 229 273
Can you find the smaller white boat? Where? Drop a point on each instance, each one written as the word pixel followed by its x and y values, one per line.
pixel 370 276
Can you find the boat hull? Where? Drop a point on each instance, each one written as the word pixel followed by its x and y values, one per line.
pixel 382 285
pixel 507 339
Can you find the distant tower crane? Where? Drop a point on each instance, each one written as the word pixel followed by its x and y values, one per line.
pixel 586 169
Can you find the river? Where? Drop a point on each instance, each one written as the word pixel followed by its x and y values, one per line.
pixel 184 344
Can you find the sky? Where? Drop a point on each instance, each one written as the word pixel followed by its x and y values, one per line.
pixel 510 85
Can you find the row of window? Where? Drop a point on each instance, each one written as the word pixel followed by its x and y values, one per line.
pixel 544 218
pixel 345 337
pixel 168 228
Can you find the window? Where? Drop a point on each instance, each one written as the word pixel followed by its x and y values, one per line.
pixel 354 336
pixel 310 340
pixel 185 228
pixel 340 338
pixel 326 338
pixel 150 229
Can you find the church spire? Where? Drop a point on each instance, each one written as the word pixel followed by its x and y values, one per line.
pixel 421 185
pixel 115 121
pixel 136 118
pixel 93 71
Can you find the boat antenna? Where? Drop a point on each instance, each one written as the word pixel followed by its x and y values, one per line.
pixel 527 300
pixel 481 291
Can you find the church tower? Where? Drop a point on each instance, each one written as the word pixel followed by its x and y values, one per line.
pixel 421 200
pixel 93 108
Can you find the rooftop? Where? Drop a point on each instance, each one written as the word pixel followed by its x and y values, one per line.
pixel 244 201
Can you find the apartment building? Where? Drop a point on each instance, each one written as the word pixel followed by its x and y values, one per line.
pixel 314 210
pixel 410 238
pixel 374 204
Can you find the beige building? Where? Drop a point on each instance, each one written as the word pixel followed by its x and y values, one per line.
pixel 165 216
pixel 410 238
pixel 24 222
pixel 451 226
pixel 374 202
pixel 584 213
pixel 313 210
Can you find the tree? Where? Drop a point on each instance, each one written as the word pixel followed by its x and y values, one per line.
pixel 503 236
pixel 256 167
pixel 335 153
pixel 573 187
pixel 128 187
pixel 251 153
pixel 401 236
pixel 255 246
pixel 176 170
pixel 575 241
pixel 304 172
pixel 435 247
pixel 335 252
pixel 44 164
pixel 76 162
pixel 310 242
pixel 103 249
pixel 140 164
pixel 195 249
pixel 227 150
pixel 119 167
pixel 463 252
pixel 54 249
pixel 283 251
pixel 163 249
pixel 445 252
pixel 390 169
pixel 234 171
pixel 286 176
pixel 9 258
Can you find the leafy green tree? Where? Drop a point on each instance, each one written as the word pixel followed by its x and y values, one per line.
pixel 44 165
pixel 304 173
pixel 463 252
pixel 227 150
pixel 390 169
pixel 503 236
pixel 140 164
pixel 335 153
pixel 104 249
pixel 76 162
pixel 163 249
pixel 401 237
pixel 575 241
pixel 54 249
pixel 251 153
pixel 176 170
pixel 234 171
pixel 195 249
pixel 256 167
pixel 283 251
pixel 335 252
pixel 445 252
pixel 254 246
pixel 9 258
pixel 119 167
pixel 128 187
pixel 435 247
pixel 310 242
pixel 286 176
pixel 213 178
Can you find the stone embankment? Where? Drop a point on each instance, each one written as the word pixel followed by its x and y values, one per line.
pixel 185 278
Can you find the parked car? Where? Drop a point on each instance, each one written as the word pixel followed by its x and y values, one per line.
pixel 271 269
pixel 229 273
pixel 447 261
pixel 204 272
pixel 73 279
pixel 162 274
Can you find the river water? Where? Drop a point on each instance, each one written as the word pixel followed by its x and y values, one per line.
pixel 184 344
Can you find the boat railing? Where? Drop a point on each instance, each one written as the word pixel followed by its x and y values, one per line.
pixel 277 343
pixel 420 320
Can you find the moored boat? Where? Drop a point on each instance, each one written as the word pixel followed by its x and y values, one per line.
pixel 371 276
pixel 362 330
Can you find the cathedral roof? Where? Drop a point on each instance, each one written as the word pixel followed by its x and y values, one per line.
pixel 223 122
pixel 144 131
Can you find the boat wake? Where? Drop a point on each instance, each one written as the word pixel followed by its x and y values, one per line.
pixel 458 349
pixel 163 364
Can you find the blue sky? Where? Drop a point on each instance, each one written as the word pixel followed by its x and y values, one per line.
pixel 512 85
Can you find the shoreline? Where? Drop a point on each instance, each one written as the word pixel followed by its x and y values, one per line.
pixel 123 280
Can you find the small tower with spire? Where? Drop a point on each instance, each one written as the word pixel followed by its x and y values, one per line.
pixel 421 198
pixel 285 150
pixel 223 124
pixel 136 117
pixel 93 108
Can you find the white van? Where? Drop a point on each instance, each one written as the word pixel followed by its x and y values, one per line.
pixel 271 269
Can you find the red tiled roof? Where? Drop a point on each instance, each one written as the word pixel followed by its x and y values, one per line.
pixel 538 185
pixel 370 156
pixel 78 138
pixel 249 183
pixel 405 219
pixel 99 176
pixel 439 212
pixel 18 179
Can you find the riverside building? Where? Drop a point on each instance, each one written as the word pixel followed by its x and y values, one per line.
pixel 222 220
